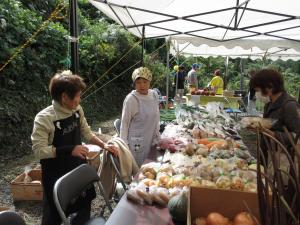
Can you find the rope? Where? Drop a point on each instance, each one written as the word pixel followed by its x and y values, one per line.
pixel 106 72
pixel 98 89
pixel 60 6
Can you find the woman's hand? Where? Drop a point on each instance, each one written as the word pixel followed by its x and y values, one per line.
pixel 80 151
pixel 112 148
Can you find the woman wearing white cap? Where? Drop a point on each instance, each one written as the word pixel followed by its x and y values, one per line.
pixel 140 116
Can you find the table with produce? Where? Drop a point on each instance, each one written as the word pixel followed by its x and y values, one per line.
pixel 201 149
pixel 203 97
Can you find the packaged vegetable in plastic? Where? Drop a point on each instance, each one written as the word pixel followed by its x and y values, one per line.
pixel 237 183
pixel 208 183
pixel 133 196
pixel 217 172
pixel 223 182
pixel 166 168
pixel 255 122
pixel 27 178
pixel 164 143
pixel 251 187
pixel 147 198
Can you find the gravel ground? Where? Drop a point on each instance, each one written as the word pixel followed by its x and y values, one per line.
pixel 31 211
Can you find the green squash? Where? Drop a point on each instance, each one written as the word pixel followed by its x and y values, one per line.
pixel 178 208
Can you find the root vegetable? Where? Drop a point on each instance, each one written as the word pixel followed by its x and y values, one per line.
pixel 216 219
pixel 244 218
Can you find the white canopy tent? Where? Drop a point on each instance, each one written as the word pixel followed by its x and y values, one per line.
pixel 274 53
pixel 244 24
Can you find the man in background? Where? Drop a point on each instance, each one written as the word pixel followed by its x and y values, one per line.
pixel 192 77
pixel 179 79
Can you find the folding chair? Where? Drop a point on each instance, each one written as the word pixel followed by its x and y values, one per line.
pixel 117 125
pixel 72 185
pixel 11 218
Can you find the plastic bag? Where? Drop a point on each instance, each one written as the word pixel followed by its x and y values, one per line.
pixel 223 182
pixel 255 122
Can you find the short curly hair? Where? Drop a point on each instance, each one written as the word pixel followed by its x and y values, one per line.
pixel 268 78
pixel 65 82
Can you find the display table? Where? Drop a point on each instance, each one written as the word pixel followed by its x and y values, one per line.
pixel 127 213
pixel 229 102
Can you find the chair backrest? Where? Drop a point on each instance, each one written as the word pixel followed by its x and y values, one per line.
pixel 72 184
pixel 117 125
pixel 11 218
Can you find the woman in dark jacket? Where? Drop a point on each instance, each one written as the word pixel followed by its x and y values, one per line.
pixel 280 106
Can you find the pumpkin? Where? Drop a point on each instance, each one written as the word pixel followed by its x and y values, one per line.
pixel 178 208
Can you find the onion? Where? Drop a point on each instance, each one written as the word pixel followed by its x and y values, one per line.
pixel 244 218
pixel 216 219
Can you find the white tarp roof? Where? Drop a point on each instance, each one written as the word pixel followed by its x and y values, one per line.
pixel 188 49
pixel 261 23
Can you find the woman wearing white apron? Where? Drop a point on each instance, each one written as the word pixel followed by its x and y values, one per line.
pixel 140 116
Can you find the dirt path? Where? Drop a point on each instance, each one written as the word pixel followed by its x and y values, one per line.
pixel 31 211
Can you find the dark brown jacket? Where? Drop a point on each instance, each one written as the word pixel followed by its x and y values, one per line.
pixel 287 111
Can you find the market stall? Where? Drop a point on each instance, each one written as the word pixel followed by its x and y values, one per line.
pixel 227 101
pixel 202 148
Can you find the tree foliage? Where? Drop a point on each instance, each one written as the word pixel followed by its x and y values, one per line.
pixel 24 82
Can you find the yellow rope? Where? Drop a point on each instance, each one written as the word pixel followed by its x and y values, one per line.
pixel 117 63
pixel 60 6
pixel 98 89
pixel 107 71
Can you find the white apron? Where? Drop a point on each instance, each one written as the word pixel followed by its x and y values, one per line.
pixel 142 128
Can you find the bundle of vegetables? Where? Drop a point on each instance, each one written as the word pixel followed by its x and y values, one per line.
pixel 215 218
pixel 167 115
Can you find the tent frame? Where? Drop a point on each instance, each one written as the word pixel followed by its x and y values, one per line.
pixel 235 18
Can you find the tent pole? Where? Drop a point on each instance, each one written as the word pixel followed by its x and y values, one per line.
pixel 168 72
pixel 242 75
pixel 226 71
pixel 74 37
pixel 177 56
pixel 143 45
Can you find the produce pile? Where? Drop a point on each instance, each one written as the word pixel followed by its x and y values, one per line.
pixel 206 92
pixel 215 218
pixel 202 149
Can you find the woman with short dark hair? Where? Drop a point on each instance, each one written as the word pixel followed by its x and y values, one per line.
pixel 56 141
pixel 280 105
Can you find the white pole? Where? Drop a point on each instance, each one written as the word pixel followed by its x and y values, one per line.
pixel 168 72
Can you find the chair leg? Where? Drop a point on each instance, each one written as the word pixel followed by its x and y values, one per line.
pixel 104 196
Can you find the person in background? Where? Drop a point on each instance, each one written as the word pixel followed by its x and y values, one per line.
pixel 140 116
pixel 192 77
pixel 179 83
pixel 280 106
pixel 251 107
pixel 56 141
pixel 217 83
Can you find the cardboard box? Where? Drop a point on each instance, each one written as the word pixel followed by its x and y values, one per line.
pixel 203 201
pixel 3 208
pixel 27 191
